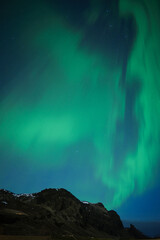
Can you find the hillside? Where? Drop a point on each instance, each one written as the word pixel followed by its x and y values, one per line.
pixel 58 213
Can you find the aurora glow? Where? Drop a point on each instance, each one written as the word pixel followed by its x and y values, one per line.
pixel 80 98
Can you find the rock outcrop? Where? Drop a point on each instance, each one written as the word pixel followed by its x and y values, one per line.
pixel 58 213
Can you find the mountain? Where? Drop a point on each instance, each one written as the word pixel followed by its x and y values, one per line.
pixel 58 213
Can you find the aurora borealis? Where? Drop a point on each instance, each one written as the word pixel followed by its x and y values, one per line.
pixel 80 100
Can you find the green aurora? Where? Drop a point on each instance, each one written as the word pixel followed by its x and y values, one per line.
pixel 67 94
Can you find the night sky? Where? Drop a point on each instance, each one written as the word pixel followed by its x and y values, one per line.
pixel 80 101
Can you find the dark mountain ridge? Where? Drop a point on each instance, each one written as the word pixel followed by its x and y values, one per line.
pixel 58 213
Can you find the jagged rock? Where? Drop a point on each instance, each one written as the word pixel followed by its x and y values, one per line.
pixel 58 213
pixel 135 232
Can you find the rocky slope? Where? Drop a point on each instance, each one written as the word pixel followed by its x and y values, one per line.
pixel 58 213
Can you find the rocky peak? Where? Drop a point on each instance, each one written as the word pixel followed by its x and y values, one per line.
pixel 56 212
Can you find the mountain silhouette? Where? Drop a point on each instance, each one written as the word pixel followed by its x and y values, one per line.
pixel 58 213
